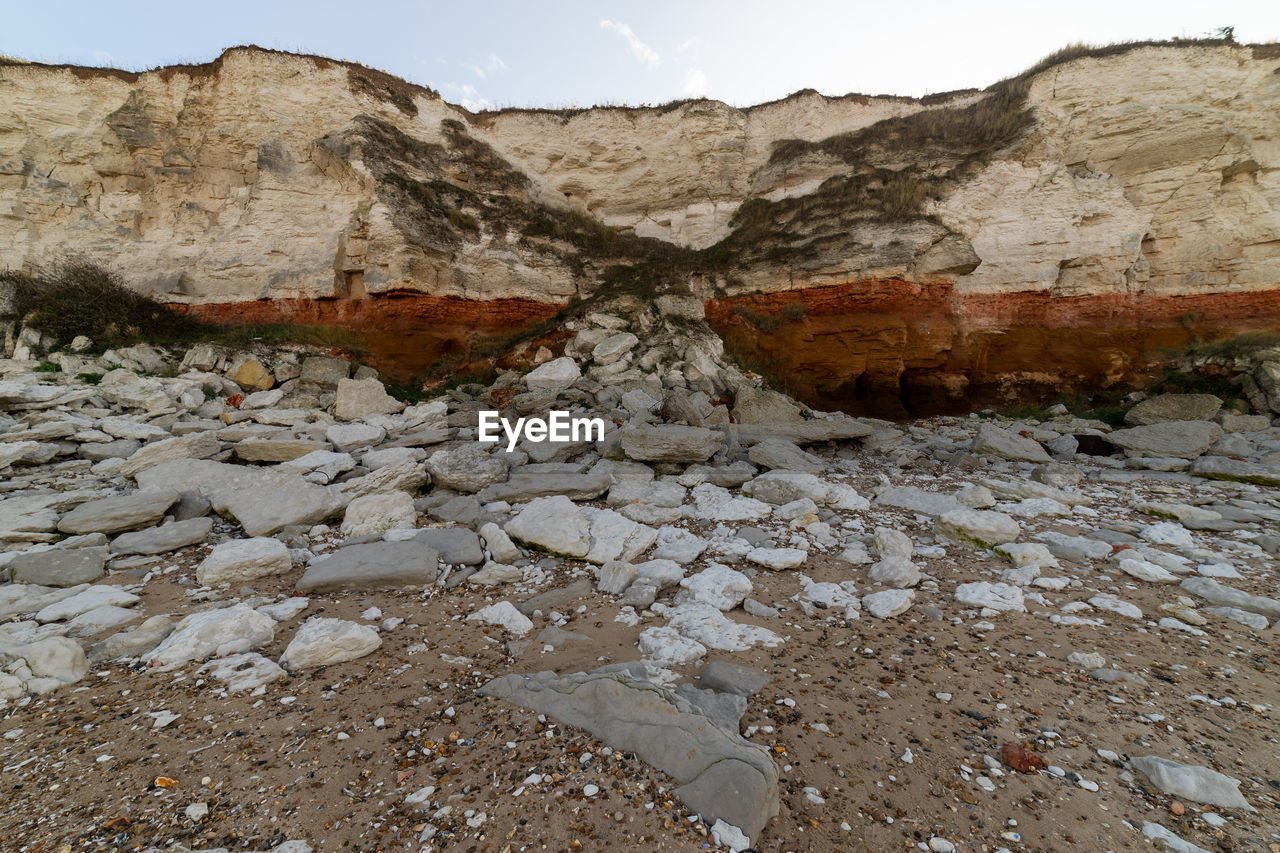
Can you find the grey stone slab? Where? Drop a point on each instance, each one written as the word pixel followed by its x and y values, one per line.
pixel 163 539
pixel 120 512
pixel 379 565
pixel 455 545
pixel 722 776
pixel 59 567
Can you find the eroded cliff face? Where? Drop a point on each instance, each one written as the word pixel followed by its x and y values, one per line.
pixel 1051 230
pixel 268 175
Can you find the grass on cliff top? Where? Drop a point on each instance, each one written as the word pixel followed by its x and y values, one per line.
pixel 361 79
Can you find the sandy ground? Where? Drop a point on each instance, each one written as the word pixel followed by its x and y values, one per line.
pixel 85 768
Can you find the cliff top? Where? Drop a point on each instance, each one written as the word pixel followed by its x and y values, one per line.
pixel 401 92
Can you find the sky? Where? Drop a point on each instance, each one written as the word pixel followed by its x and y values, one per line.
pixel 566 53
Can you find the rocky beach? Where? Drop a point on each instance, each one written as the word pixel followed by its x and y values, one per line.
pixel 839 473
pixel 314 617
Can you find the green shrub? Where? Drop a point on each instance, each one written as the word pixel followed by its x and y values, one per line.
pixel 1240 346
pixel 77 297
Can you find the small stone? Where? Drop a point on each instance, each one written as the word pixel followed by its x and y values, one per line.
pixel 505 615
pixel 777 558
pixel 888 603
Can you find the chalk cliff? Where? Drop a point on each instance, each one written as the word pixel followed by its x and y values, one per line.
pixel 869 243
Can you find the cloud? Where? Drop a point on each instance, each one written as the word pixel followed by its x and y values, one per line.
pixel 647 56
pixel 466 96
pixel 492 66
pixel 695 83
pixel 688 44
pixel 103 58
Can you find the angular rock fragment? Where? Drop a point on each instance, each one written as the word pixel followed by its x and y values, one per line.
pixel 1198 784
pixel 321 641
pixel 209 633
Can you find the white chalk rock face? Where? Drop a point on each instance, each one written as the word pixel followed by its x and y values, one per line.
pixel 777 558
pixel 1192 782
pixel 1149 572
pixel 708 626
pixel 53 661
pixel 323 641
pixel 244 560
pixel 889 603
pixel 239 673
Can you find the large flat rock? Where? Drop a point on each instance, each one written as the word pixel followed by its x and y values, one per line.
pixel 59 567
pixel 524 486
pixel 163 539
pixel 1168 439
pixel 918 500
pixel 379 565
pixel 1228 596
pixel 837 428
pixel 277 449
pixel 722 776
pixel 1173 407
pixel 119 513
pixel 262 500
pixel 200 445
pixel 1236 470
pixel 670 443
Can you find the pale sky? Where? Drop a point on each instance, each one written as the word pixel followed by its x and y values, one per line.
pixel 562 53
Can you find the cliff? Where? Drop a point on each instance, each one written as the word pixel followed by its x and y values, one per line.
pixel 1106 189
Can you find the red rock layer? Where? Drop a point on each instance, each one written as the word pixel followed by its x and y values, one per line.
pixel 893 348
pixel 402 334
pixel 879 347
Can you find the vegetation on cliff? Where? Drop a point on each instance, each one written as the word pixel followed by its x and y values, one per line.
pixel 76 297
